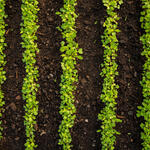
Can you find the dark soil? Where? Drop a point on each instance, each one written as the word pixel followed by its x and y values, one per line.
pixel 89 27
pixel 14 133
pixel 130 70
pixel 50 70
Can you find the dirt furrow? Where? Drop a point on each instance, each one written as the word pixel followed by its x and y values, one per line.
pixel 48 62
pixel 14 134
pixel 89 27
pixel 130 69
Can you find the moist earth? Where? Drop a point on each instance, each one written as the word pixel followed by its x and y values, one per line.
pixel 89 26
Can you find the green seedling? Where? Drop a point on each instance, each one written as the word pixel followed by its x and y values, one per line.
pixel 144 110
pixel 2 59
pixel 107 115
pixel 70 53
pixel 28 30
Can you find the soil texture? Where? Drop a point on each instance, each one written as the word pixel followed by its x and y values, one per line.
pixel 130 64
pixel 13 121
pixel 89 27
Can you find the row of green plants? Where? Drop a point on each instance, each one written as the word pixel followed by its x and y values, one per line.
pixel 70 53
pixel 107 115
pixel 30 86
pixel 2 58
pixel 144 110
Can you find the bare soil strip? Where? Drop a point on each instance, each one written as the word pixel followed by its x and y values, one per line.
pixel 130 68
pixel 49 61
pixel 89 27
pixel 13 121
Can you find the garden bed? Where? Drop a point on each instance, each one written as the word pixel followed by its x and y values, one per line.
pixel 89 30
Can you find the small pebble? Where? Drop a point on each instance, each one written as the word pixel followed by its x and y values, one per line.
pixel 86 120
pixel 17 138
pixel 18 97
pixel 88 106
pixel 93 145
pixel 77 102
pixel 135 74
pixel 42 133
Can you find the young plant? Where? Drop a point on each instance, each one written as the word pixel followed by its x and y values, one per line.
pixel 28 30
pixel 107 115
pixel 70 52
pixel 2 58
pixel 144 110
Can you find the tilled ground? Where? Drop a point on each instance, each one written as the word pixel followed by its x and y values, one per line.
pixel 130 70
pixel 89 27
